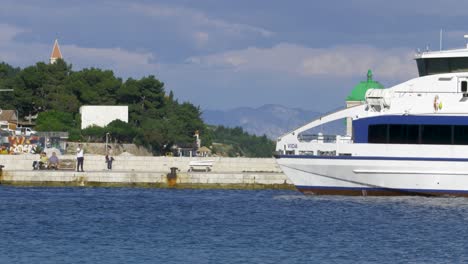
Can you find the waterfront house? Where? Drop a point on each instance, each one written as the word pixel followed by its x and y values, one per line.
pixel 8 120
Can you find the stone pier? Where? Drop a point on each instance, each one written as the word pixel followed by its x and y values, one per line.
pixel 144 171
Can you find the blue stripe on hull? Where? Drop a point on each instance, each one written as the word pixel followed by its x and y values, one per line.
pixel 330 190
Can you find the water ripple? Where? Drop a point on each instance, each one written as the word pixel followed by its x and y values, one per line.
pixel 133 225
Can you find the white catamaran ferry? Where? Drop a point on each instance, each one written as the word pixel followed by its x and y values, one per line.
pixel 410 139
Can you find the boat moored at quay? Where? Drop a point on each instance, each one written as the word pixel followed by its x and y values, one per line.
pixel 409 139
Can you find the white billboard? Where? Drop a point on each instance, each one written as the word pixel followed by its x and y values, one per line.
pixel 102 115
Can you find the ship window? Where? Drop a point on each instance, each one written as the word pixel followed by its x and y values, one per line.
pixel 394 134
pixel 326 153
pixel 378 134
pixel 460 135
pixel 412 134
pixel 421 67
pixel 436 134
pixel 463 86
pixel 435 66
pixel 403 134
pixel 442 65
pixel 458 64
pixel 418 134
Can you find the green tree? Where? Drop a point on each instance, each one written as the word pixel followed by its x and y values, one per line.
pixel 145 97
pixel 94 134
pixel 53 120
pixel 243 143
pixel 122 131
pixel 94 86
pixel 56 92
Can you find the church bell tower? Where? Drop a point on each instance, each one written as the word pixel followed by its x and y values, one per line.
pixel 56 54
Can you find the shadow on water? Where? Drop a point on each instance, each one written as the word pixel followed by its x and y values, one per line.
pixel 441 202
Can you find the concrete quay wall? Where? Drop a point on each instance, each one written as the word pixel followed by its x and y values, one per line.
pixel 199 180
pixel 151 164
pixel 237 173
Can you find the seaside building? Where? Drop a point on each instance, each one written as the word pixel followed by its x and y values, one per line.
pixel 204 152
pixel 8 119
pixel 358 97
pixel 56 53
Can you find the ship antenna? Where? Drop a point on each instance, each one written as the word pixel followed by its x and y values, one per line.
pixel 440 39
pixel 466 40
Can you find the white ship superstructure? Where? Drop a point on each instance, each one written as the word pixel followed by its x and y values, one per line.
pixel 411 138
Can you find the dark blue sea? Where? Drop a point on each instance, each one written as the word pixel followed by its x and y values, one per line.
pixel 137 225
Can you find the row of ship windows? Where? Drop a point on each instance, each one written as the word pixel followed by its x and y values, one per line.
pixel 418 134
pixel 441 65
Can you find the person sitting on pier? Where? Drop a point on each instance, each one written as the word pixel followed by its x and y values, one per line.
pixel 40 164
pixel 43 161
pixel 35 164
pixel 4 150
pixel 53 161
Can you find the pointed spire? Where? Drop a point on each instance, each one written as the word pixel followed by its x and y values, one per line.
pixel 56 54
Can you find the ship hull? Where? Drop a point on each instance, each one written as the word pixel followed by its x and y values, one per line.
pixel 377 176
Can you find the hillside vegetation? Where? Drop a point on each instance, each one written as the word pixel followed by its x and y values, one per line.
pixel 156 119
pixel 234 142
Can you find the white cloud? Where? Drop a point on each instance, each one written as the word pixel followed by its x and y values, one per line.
pixel 192 18
pixel 8 32
pixel 339 61
pixel 201 38
pixel 356 60
pixel 123 62
pixel 414 8
pixel 9 50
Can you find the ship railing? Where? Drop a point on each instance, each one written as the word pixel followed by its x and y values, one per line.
pixel 320 138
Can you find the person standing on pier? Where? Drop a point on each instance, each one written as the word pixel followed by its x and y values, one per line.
pixel 109 157
pixel 79 157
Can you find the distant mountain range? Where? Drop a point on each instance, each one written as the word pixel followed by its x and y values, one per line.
pixel 270 120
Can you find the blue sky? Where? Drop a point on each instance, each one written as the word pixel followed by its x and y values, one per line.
pixel 222 54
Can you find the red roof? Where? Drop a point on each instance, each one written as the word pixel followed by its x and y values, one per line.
pixel 56 54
